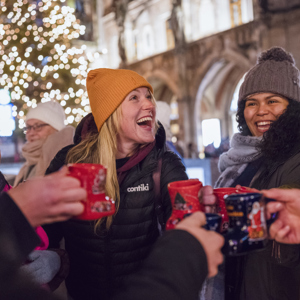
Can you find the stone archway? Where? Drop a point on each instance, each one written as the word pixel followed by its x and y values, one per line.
pixel 162 85
pixel 215 92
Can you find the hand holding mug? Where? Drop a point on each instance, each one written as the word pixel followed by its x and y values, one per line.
pixel 286 229
pixel 211 241
pixel 208 199
pixel 56 198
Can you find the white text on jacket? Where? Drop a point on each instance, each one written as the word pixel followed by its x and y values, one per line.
pixel 139 188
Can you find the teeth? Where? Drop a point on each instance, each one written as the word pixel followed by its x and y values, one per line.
pixel 263 123
pixel 144 119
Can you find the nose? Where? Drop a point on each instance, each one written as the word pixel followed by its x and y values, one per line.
pixel 262 109
pixel 147 104
pixel 30 133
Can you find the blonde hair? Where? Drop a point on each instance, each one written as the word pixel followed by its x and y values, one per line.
pixel 101 149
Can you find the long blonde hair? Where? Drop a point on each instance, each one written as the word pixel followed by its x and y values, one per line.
pixel 101 149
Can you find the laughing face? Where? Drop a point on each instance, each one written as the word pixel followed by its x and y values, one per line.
pixel 261 110
pixel 137 126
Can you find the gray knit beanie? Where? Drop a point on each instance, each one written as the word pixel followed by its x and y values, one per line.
pixel 275 72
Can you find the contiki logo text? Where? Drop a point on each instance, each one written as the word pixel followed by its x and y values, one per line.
pixel 139 188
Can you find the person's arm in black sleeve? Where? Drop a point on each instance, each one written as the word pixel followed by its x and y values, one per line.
pixel 172 170
pixel 17 240
pixel 174 270
pixel 23 237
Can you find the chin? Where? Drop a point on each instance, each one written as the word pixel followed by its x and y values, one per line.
pixel 147 141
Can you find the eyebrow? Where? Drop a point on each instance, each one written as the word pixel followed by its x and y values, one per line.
pixel 135 90
pixel 269 97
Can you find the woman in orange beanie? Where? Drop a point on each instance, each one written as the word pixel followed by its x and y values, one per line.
pixel 122 134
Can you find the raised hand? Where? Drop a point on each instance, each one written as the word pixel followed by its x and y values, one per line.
pixel 52 198
pixel 286 229
pixel 211 241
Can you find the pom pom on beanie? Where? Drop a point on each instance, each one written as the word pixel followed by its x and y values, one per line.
pixel 277 54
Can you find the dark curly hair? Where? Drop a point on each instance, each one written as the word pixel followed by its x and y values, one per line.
pixel 242 125
pixel 283 138
pixel 281 141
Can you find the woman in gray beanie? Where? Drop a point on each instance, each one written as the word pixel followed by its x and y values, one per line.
pixel 265 154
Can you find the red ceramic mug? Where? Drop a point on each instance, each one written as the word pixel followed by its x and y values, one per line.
pixel 221 206
pixel 220 193
pixel 92 178
pixel 184 196
pixel 245 189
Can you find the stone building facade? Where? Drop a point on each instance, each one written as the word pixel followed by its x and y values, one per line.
pixel 196 68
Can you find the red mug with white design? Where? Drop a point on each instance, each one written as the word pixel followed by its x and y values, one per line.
pixel 184 196
pixel 92 178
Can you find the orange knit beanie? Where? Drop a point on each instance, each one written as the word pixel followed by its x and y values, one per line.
pixel 107 88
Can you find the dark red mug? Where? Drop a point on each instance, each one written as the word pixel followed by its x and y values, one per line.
pixel 184 196
pixel 92 178
pixel 220 193
pixel 221 206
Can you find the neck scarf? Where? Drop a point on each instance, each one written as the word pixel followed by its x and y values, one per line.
pixel 39 154
pixel 134 160
pixel 232 163
pixel 32 152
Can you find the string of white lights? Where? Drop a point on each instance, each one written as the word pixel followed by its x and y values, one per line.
pixel 37 60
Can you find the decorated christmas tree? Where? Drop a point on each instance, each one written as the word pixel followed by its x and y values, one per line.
pixel 38 62
pixel 179 199
pixel 179 202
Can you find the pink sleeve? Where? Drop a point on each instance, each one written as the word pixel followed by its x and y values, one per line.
pixel 6 188
pixel 44 238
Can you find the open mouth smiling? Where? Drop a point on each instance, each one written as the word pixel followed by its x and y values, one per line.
pixel 263 125
pixel 145 121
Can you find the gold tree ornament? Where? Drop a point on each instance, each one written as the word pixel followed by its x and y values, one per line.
pixel 38 62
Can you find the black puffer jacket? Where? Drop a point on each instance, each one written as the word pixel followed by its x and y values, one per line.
pixel 260 275
pixel 100 262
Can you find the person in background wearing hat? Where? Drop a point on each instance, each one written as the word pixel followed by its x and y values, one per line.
pixel 46 134
pixel 121 134
pixel 265 154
